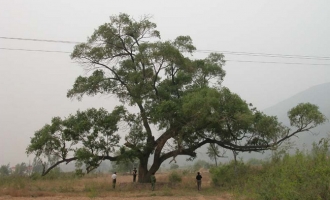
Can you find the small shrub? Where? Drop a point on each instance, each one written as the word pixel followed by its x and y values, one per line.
pixel 79 173
pixel 175 177
pixel 35 176
pixel 229 175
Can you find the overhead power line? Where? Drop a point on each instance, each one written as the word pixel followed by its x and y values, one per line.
pixel 270 62
pixel 38 50
pixel 39 40
pixel 244 61
pixel 267 55
pixel 201 51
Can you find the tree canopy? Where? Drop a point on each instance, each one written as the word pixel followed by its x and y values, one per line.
pixel 181 103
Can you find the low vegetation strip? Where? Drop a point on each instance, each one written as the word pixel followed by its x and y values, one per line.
pixel 303 175
pixel 200 197
pixel 300 175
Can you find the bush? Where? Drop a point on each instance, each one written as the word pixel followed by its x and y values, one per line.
pixel 35 176
pixel 300 176
pixel 304 175
pixel 229 175
pixel 79 173
pixel 175 177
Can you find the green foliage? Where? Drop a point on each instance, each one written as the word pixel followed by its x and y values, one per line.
pixel 175 177
pixel 35 176
pixel 229 175
pixel 20 169
pixel 304 175
pixel 297 177
pixel 79 173
pixel 126 160
pixel 4 170
pixel 94 129
pixel 13 181
pixel 305 114
pixel 55 174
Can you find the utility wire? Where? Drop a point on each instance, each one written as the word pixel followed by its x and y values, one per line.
pixel 38 50
pixel 267 55
pixel 270 62
pixel 244 61
pixel 39 40
pixel 201 51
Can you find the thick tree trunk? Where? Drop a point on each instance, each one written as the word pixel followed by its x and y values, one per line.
pixel 235 166
pixel 143 173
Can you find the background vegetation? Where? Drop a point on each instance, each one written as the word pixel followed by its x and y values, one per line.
pixel 303 175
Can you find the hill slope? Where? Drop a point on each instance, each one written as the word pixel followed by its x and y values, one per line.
pixel 318 95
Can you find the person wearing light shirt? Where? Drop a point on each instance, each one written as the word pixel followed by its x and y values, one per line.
pixel 114 177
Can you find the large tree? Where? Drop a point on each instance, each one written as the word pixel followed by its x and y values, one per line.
pixel 179 102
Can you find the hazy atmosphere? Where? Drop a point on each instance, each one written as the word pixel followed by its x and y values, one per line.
pixel 274 50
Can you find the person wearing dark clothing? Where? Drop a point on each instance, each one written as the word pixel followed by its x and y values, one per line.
pixel 153 181
pixel 134 174
pixel 199 180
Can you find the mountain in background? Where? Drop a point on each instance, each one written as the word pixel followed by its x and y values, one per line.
pixel 318 95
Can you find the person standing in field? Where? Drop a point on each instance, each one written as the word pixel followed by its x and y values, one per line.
pixel 134 174
pixel 153 181
pixel 114 177
pixel 199 181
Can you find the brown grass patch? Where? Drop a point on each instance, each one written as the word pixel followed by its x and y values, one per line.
pixel 100 187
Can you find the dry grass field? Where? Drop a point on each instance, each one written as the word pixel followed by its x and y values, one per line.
pixel 99 187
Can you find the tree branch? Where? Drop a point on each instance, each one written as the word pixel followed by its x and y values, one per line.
pixel 76 158
pixel 56 164
pixel 130 145
pixel 161 141
pixel 174 153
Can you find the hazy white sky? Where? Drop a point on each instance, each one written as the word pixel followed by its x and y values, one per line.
pixel 33 85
